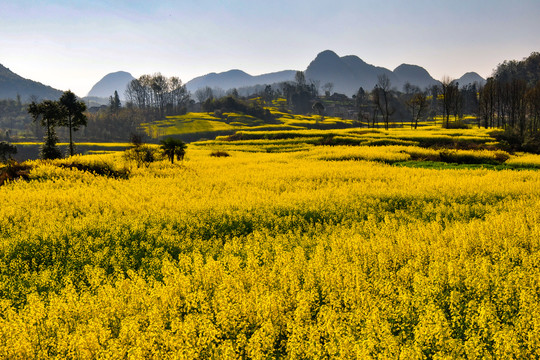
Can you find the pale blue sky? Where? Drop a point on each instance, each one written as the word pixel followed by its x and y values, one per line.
pixel 73 44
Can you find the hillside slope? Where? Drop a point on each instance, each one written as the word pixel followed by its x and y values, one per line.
pixel 12 85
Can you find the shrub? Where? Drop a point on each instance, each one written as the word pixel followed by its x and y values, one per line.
pixel 14 170
pixel 142 155
pixel 473 157
pixel 509 140
pixel 219 153
pixel 532 143
pixel 456 125
pixel 102 169
pixel 6 150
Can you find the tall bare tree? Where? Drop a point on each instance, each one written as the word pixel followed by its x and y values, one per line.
pixel 382 98
pixel 418 105
pixel 446 91
pixel 158 94
pixel 487 102
pixel 204 93
pixel 300 78
pixel 328 87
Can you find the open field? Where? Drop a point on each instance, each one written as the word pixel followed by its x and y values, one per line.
pixel 285 249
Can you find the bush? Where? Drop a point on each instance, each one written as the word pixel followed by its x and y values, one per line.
pixel 509 140
pixel 142 155
pixel 456 125
pixel 14 170
pixel 470 157
pixel 6 150
pixel 532 143
pixel 218 153
pixel 49 150
pixel 102 169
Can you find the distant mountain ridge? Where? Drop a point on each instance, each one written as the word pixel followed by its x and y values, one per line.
pixel 347 74
pixel 238 79
pixel 415 75
pixel 12 85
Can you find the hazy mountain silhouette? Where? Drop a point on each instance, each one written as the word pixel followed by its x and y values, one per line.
pixel 327 67
pixel 368 74
pixel 110 83
pixel 12 85
pixel 470 78
pixel 237 79
pixel 415 75
pixel 349 73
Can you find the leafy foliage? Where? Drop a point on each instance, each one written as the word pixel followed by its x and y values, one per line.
pixel 173 148
pixel 139 152
pixel 49 113
pixel 74 116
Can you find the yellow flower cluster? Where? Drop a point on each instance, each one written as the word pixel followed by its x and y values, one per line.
pixel 270 255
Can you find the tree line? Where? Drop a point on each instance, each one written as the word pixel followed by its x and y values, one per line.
pixel 511 97
pixel 158 95
pixel 148 98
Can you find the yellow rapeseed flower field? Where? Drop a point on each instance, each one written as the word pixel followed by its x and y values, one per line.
pixel 311 254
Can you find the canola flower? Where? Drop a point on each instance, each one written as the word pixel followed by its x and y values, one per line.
pixel 270 255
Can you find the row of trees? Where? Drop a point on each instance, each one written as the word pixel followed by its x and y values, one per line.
pixel 299 94
pixel 511 97
pixel 112 124
pixel 14 119
pixel 447 99
pixel 158 95
pixel 148 98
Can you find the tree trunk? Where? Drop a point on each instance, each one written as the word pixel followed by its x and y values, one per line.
pixel 71 150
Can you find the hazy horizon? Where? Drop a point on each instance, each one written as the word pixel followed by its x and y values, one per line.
pixel 73 44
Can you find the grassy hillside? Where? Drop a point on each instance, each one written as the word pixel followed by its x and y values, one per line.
pixel 286 248
pixel 196 126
